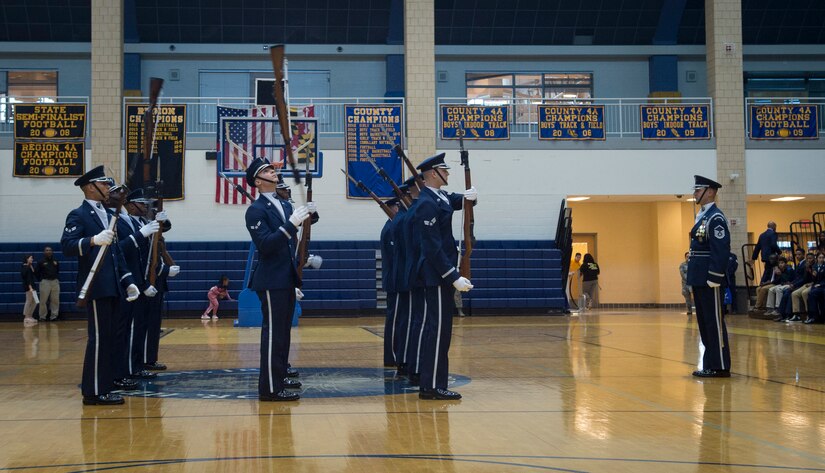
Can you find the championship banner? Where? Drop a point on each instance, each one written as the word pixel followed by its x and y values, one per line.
pixel 571 122
pixel 475 122
pixel 784 122
pixel 42 121
pixel 49 159
pixel 675 122
pixel 170 145
pixel 372 131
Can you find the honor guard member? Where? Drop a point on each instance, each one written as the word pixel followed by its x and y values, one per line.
pixel 85 234
pixel 388 282
pixel 437 272
pixel 405 251
pixel 707 264
pixel 132 240
pixel 147 339
pixel 273 225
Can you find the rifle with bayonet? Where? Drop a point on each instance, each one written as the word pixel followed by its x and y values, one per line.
pixel 386 208
pixel 153 189
pixel 403 197
pixel 276 53
pixel 303 245
pixel 469 222
pixel 419 179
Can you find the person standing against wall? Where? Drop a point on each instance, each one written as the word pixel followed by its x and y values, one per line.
pixel 49 273
pixel 708 262
pixel 590 281
pixel 28 280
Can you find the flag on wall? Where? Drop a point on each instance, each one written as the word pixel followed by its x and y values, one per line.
pixel 244 141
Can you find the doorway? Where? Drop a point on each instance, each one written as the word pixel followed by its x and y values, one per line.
pixel 582 243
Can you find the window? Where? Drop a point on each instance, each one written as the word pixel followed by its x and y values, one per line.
pixel 25 86
pixel 526 90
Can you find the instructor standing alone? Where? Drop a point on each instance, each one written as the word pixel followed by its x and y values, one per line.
pixel 708 261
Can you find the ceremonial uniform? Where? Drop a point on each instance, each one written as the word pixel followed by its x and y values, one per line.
pixel 437 274
pixel 402 309
pixel 131 323
pixel 112 279
pixel 707 265
pixel 275 279
pixel 388 283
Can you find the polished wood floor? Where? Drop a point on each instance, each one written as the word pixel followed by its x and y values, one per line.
pixel 609 391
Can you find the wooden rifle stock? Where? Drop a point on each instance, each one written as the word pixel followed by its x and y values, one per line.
pixel 419 179
pixel 303 245
pixel 386 208
pixel 155 86
pixel 404 198
pixel 104 250
pixel 469 223
pixel 276 53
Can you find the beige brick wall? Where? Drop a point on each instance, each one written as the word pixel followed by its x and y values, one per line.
pixel 723 26
pixel 107 84
pixel 419 68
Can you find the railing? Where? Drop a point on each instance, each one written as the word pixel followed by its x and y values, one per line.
pixel 7 108
pixel 818 101
pixel 202 112
pixel 621 115
pixel 564 242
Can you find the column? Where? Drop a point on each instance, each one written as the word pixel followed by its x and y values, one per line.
pixel 723 26
pixel 107 83
pixel 419 66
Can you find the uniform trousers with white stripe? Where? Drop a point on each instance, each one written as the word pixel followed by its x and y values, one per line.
pixel 712 327
pixel 389 329
pixel 418 310
pixel 438 330
pixel 129 322
pixel 277 306
pixel 154 317
pixel 98 369
pixel 401 331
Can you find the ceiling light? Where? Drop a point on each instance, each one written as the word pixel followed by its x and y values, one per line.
pixel 576 199
pixel 786 199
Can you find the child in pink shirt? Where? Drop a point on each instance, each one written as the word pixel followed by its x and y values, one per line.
pixel 221 291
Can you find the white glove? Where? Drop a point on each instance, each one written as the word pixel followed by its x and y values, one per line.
pixel 174 270
pixel 299 294
pixel 104 238
pixel 471 193
pixel 299 215
pixel 314 262
pixel 713 284
pixel 462 284
pixel 149 229
pixel 150 291
pixel 132 293
pixel 161 216
pixel 312 207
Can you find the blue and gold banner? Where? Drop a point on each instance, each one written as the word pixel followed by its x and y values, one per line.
pixel 372 131
pixel 571 122
pixel 675 122
pixel 784 122
pixel 475 122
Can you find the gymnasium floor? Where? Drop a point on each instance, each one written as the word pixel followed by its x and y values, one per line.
pixel 609 391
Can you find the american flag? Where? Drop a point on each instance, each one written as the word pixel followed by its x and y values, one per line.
pixel 244 141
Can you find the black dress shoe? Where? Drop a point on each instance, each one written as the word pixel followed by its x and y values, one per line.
pixel 291 384
pixel 280 396
pixel 415 379
pixel 292 373
pixel 809 321
pixel 125 383
pixel 143 374
pixel 795 318
pixel 712 373
pixel 103 400
pixel 155 366
pixel 401 371
pixel 442 394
